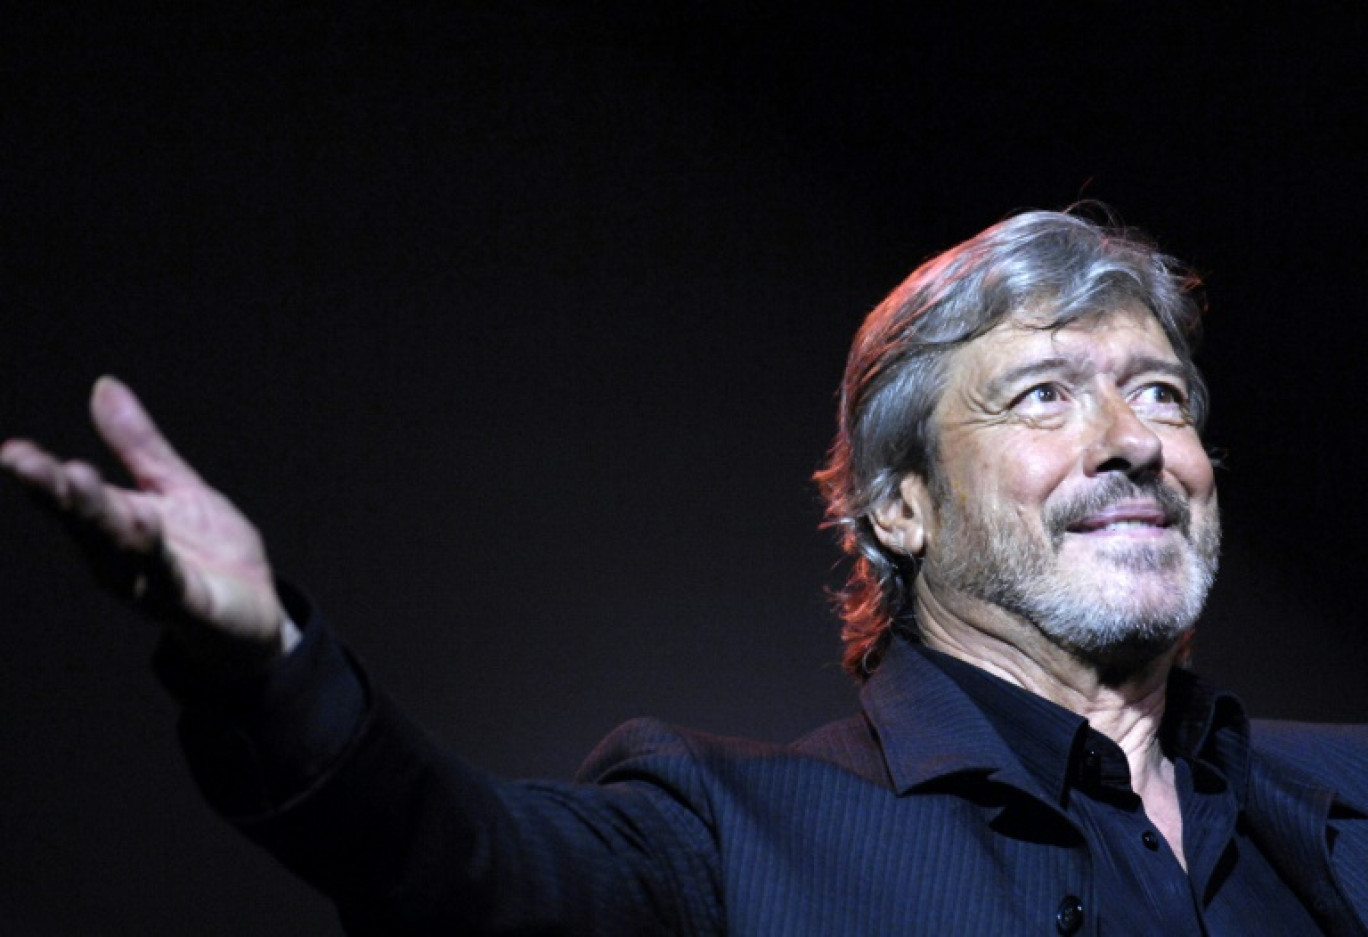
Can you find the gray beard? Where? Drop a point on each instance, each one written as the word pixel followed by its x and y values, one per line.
pixel 1115 630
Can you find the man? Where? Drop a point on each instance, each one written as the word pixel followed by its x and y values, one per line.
pixel 1020 481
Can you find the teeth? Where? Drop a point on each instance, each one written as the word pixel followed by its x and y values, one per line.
pixel 1126 525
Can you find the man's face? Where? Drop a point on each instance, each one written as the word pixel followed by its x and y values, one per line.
pixel 1072 489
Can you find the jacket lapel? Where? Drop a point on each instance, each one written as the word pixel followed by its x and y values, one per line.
pixel 1289 815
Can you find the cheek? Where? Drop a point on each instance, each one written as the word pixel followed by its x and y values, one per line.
pixel 1030 471
pixel 1002 470
pixel 1187 462
pixel 1016 480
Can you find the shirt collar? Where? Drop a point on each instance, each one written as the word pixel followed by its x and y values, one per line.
pixel 1042 734
pixel 1209 727
pixel 930 727
pixel 938 715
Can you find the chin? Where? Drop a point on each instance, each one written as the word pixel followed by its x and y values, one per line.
pixel 1118 625
pixel 1127 649
pixel 1130 612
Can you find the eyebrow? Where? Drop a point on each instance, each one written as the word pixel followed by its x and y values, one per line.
pixel 1077 365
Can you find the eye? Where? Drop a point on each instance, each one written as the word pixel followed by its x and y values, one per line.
pixel 1040 399
pixel 1161 395
pixel 1162 400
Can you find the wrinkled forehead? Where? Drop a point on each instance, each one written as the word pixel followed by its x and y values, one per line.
pixel 1104 341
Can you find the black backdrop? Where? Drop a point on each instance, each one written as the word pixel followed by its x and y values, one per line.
pixel 516 327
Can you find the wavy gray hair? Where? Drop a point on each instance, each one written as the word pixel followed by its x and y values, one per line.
pixel 1060 265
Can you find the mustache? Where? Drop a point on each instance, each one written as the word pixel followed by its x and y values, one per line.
pixel 1115 489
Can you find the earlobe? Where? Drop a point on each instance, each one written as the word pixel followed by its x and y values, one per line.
pixel 900 522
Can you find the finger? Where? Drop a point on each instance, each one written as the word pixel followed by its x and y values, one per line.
pixel 124 519
pixel 129 432
pixel 37 469
pixel 120 533
pixel 119 536
pixel 76 490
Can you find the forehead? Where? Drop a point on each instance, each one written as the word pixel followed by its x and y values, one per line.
pixel 1106 342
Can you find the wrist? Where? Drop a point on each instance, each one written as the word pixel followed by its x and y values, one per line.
pixel 290 636
pixel 202 664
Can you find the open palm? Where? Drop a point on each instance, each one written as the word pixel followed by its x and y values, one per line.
pixel 171 543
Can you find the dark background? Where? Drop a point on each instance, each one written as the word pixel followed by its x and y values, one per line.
pixel 516 327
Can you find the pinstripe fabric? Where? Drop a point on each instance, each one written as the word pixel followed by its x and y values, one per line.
pixel 929 824
pixel 1309 795
pixel 912 818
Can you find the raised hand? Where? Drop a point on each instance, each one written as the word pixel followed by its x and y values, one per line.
pixel 170 544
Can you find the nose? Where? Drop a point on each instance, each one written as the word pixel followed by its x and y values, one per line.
pixel 1123 442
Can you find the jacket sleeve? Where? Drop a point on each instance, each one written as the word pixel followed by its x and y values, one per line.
pixel 322 769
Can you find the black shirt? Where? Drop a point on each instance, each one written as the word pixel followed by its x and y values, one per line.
pixel 1229 887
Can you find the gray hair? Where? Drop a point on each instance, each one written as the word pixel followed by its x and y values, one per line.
pixel 1058 265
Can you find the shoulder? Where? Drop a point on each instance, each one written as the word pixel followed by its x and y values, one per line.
pixel 1333 754
pixel 649 741
pixel 651 747
pixel 1309 739
pixel 850 743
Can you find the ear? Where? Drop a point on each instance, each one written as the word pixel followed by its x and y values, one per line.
pixel 901 523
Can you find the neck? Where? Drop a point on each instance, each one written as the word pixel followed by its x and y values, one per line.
pixel 1122 700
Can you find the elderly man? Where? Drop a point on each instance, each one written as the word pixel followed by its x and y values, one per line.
pixel 1020 482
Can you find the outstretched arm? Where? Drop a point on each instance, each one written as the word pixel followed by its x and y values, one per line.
pixel 170 544
pixel 324 771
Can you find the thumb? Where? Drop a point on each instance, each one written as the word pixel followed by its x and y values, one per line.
pixel 128 430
